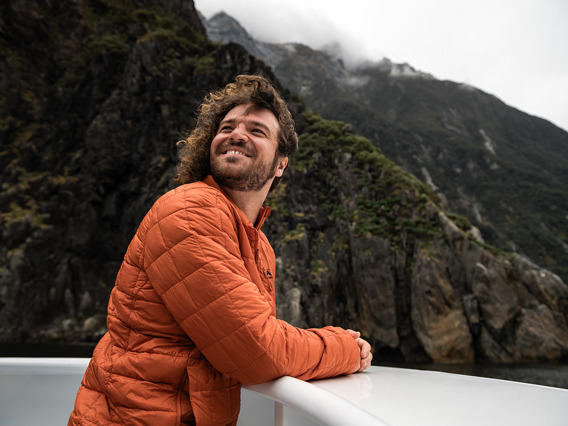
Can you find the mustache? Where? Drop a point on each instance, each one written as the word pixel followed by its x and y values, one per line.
pixel 224 147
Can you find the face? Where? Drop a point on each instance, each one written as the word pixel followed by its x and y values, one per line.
pixel 243 152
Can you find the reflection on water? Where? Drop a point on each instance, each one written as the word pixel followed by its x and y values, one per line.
pixel 549 374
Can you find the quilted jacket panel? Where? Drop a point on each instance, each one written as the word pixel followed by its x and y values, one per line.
pixel 193 315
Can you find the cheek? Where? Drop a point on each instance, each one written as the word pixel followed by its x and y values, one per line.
pixel 215 144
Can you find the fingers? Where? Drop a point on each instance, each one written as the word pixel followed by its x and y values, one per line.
pixel 364 348
pixel 366 361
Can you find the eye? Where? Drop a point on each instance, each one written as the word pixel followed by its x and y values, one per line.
pixel 225 128
pixel 258 131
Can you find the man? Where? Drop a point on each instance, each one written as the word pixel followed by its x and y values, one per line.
pixel 193 314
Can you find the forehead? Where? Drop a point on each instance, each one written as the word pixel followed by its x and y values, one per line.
pixel 249 113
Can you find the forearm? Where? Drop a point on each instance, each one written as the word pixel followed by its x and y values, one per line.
pixel 285 351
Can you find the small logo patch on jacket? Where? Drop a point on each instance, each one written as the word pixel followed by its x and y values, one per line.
pixel 268 275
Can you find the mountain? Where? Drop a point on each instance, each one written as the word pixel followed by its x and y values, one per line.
pixel 94 96
pixel 503 169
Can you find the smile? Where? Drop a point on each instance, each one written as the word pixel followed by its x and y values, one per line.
pixel 235 152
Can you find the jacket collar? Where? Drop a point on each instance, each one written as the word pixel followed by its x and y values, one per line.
pixel 262 214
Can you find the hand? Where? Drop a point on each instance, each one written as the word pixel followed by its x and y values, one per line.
pixel 364 348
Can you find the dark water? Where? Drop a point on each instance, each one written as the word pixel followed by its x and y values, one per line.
pixel 46 350
pixel 547 374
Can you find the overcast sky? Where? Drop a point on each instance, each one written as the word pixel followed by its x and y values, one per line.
pixel 516 50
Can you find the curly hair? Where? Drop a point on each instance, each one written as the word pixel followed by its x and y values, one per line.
pixel 194 161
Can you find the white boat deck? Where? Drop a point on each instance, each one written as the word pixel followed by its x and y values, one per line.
pixel 42 391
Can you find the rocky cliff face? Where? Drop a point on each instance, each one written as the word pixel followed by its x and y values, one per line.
pixel 503 169
pixel 362 244
pixel 95 96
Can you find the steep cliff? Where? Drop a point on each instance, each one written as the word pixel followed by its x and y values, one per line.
pixel 362 244
pixel 94 97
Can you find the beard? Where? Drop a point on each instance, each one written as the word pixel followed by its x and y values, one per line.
pixel 245 179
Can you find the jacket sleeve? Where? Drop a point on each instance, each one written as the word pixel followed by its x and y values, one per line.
pixel 192 259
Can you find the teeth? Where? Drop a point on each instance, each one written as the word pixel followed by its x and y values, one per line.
pixel 234 152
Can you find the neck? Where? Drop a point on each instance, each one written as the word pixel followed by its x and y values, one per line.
pixel 249 202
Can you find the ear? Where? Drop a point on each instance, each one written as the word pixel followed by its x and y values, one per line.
pixel 282 163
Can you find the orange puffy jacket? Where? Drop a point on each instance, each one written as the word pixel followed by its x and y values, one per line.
pixel 193 315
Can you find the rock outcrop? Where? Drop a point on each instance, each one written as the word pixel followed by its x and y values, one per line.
pixel 364 245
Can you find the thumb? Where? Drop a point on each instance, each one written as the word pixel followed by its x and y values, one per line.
pixel 354 334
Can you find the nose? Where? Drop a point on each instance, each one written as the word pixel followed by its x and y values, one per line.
pixel 238 134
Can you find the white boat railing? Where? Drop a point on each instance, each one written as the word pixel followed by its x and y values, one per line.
pixel 301 403
pixel 41 391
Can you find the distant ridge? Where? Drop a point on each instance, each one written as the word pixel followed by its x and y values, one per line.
pixel 503 169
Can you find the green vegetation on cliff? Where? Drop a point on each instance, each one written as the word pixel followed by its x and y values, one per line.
pixel 386 197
